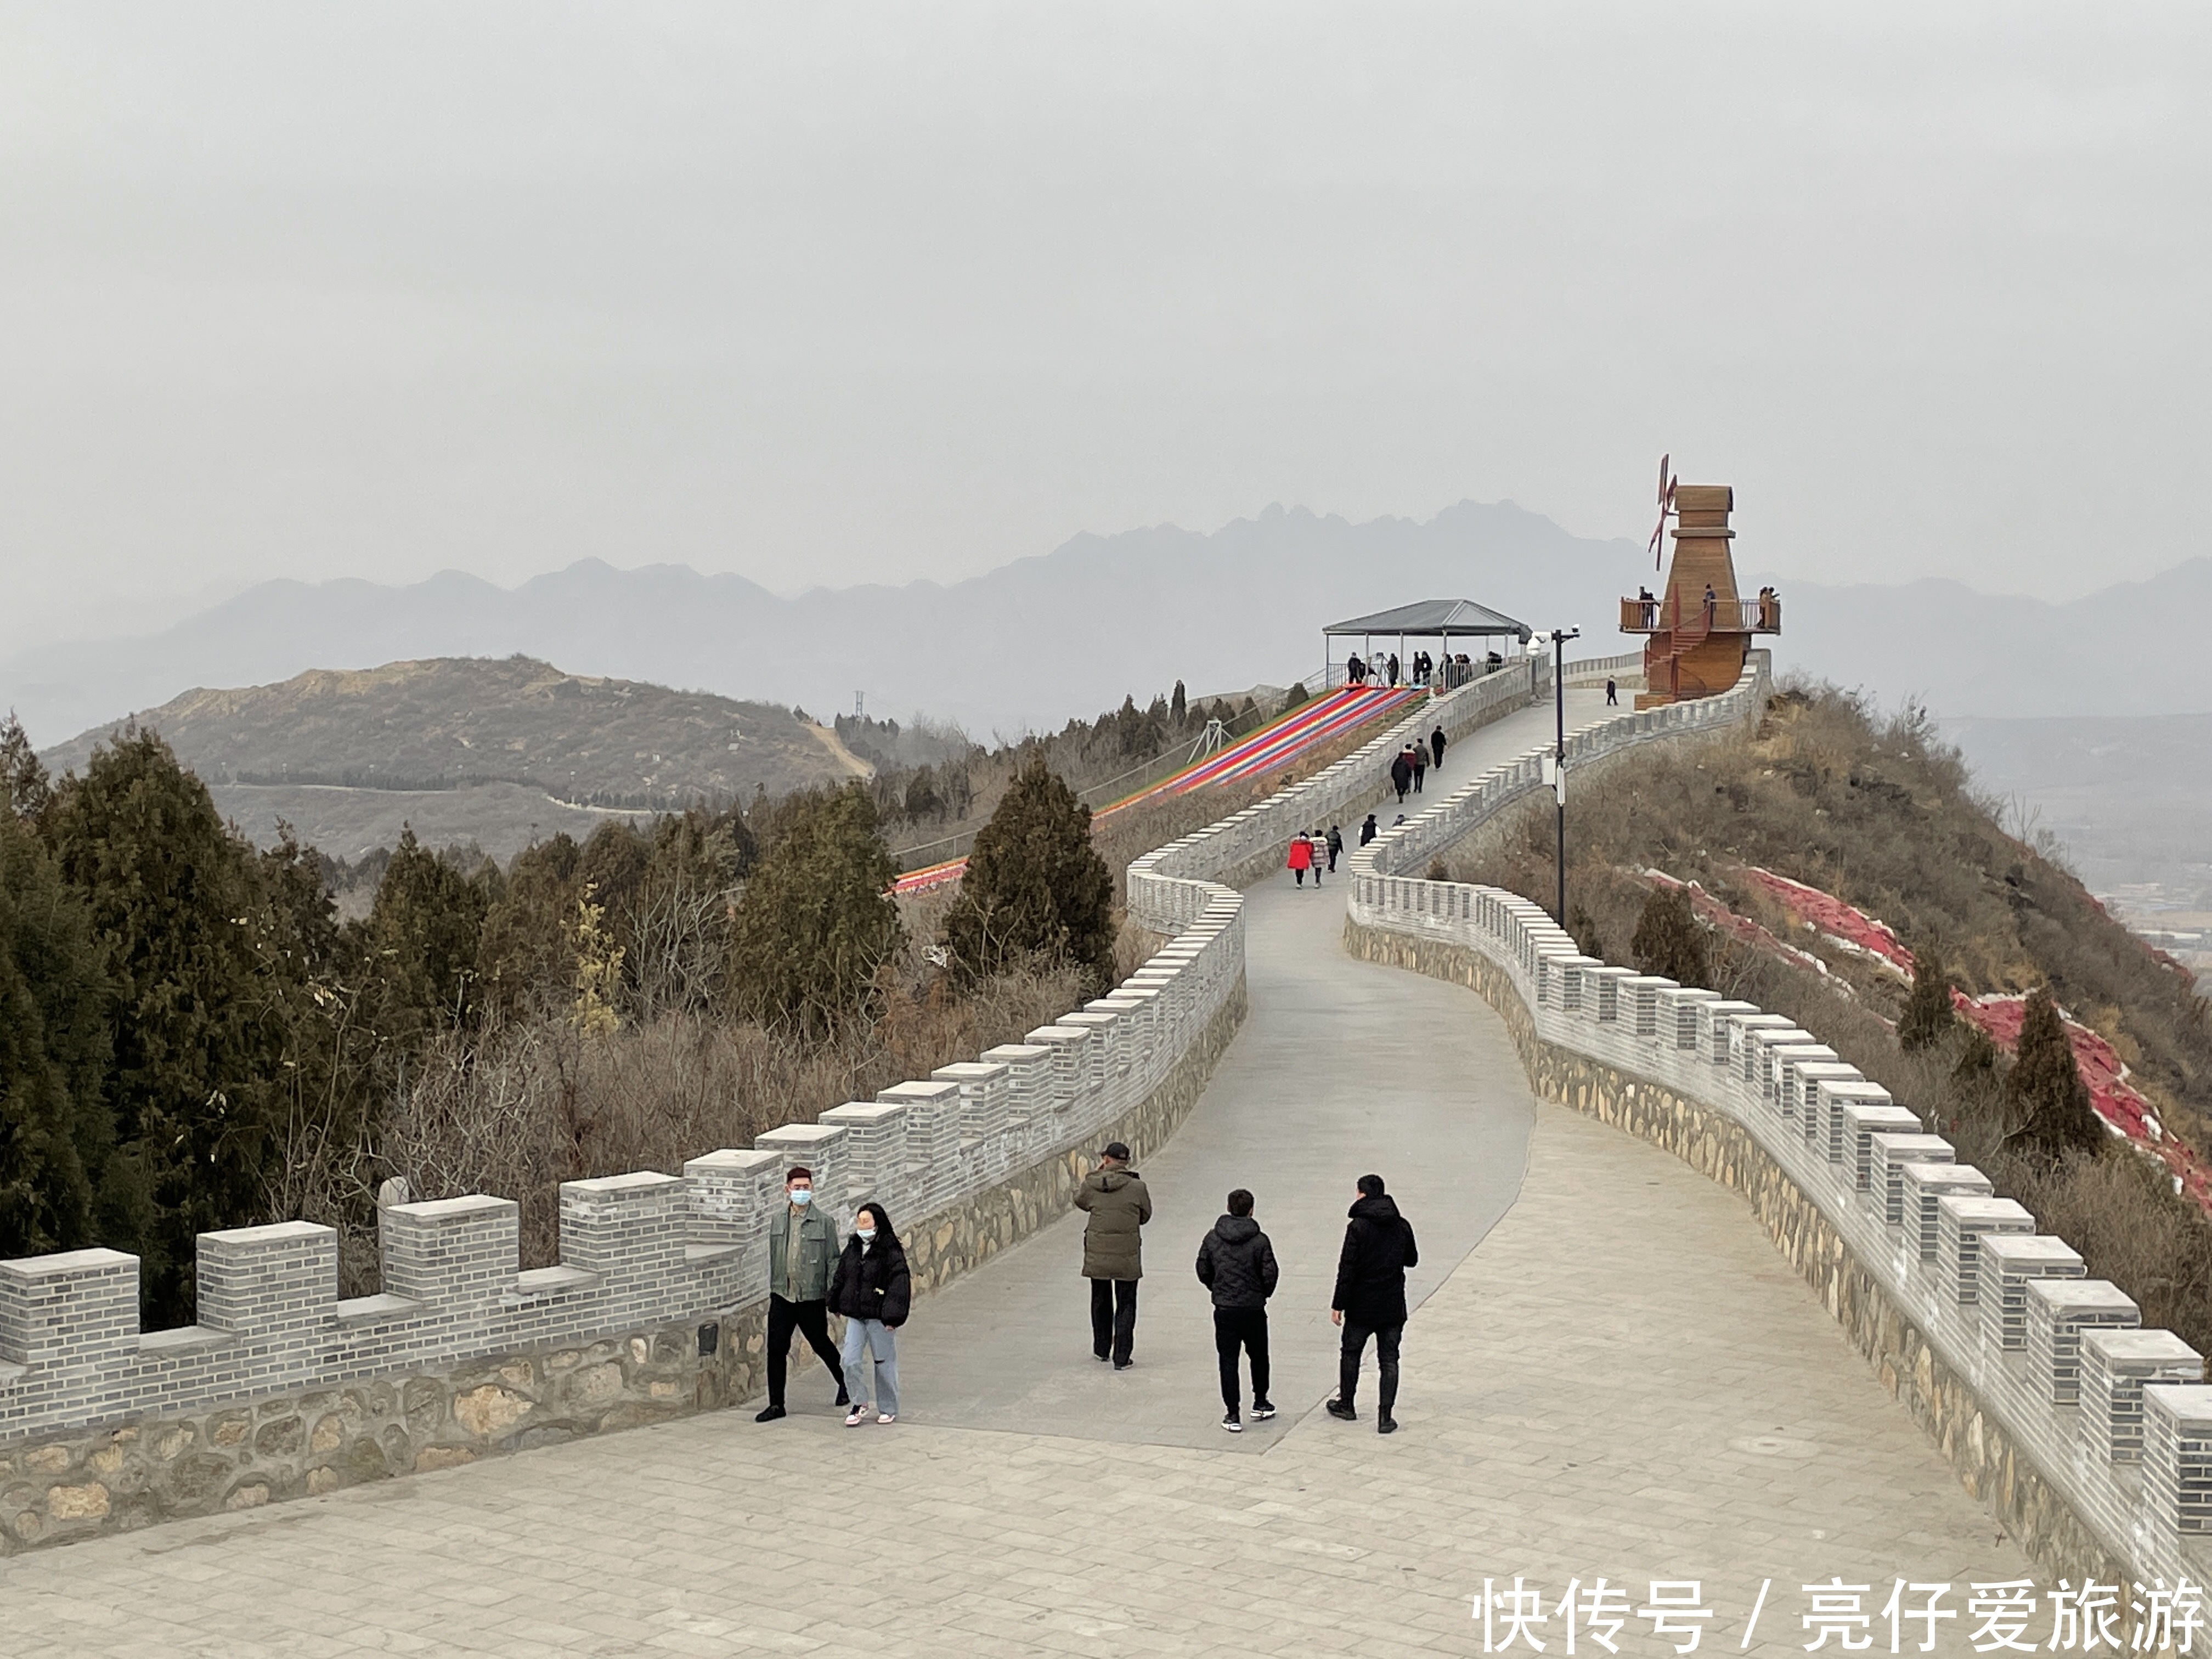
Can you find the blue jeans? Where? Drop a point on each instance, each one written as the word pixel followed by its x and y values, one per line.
pixel 872 1336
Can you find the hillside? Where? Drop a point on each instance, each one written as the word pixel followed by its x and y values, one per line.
pixel 1878 813
pixel 495 750
pixel 2130 799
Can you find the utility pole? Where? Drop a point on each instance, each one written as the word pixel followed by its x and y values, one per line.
pixel 1559 638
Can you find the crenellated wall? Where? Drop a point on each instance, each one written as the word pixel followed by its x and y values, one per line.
pixel 2090 1437
pixel 284 1388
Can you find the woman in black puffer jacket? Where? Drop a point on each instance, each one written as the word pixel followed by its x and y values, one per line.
pixel 873 1289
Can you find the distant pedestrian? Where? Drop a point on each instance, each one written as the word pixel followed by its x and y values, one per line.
pixel 1367 830
pixel 1114 1197
pixel 1710 604
pixel 1301 857
pixel 1237 1263
pixel 1393 668
pixel 1401 773
pixel 802 1258
pixel 1319 843
pixel 1370 1297
pixel 1612 694
pixel 1437 745
pixel 1420 759
pixel 873 1291
pixel 1336 845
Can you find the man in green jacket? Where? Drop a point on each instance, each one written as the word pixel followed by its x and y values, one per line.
pixel 1114 1197
pixel 802 1257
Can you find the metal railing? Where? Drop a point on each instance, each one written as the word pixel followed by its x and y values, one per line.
pixel 1670 616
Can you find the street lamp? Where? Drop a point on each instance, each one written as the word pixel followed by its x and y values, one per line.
pixel 1559 638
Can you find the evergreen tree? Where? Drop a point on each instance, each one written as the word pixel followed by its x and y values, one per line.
pixel 1928 1017
pixel 1178 707
pixel 425 934
pixel 1297 695
pixel 525 959
pixel 200 1026
pixel 1669 941
pixel 56 1131
pixel 816 923
pixel 24 788
pixel 2045 1100
pixel 1035 885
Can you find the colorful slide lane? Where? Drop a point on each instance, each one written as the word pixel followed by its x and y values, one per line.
pixel 1273 746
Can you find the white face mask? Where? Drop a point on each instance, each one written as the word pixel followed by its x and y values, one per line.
pixel 865 1235
pixel 801 1196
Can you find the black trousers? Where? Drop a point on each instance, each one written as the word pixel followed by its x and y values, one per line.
pixel 1113 1318
pixel 784 1317
pixel 1244 1328
pixel 1386 1358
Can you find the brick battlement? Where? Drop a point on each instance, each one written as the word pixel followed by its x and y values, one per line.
pixel 2091 1437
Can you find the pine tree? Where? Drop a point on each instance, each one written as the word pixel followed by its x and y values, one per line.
pixel 1297 695
pixel 1178 708
pixel 56 1131
pixel 1669 941
pixel 2045 1097
pixel 201 1023
pixel 1928 1017
pixel 1035 885
pixel 425 931
pixel 816 923
pixel 24 788
pixel 526 956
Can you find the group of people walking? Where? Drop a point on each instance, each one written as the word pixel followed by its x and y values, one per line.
pixel 1315 850
pixel 1409 769
pixel 866 1281
pixel 809 1278
pixel 1237 1264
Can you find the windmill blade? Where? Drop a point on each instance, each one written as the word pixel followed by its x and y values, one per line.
pixel 1666 492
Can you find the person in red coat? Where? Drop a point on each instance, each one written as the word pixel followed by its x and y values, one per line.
pixel 1301 856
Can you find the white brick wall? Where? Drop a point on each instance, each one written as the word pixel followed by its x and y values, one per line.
pixel 2083 1394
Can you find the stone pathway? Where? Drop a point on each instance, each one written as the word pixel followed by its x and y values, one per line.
pixel 1623 1379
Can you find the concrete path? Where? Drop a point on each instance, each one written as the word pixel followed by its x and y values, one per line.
pixel 1341 1067
pixel 1623 1380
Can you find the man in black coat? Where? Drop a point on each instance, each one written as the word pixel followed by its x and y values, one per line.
pixel 1238 1264
pixel 1402 771
pixel 1370 1297
pixel 1437 746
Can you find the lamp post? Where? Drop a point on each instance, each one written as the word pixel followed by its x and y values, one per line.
pixel 1559 638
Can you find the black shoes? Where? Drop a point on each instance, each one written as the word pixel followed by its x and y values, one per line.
pixel 1123 1365
pixel 1342 1413
pixel 1261 1410
pixel 1103 1357
pixel 843 1398
pixel 1388 1425
pixel 770 1415
pixel 1233 1423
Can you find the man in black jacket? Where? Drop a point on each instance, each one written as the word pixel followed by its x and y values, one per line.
pixel 1238 1264
pixel 1370 1297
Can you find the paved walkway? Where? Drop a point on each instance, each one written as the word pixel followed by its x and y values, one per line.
pixel 1623 1379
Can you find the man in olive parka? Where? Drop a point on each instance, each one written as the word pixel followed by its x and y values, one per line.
pixel 1114 1197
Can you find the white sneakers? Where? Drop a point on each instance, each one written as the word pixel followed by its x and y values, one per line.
pixel 861 1414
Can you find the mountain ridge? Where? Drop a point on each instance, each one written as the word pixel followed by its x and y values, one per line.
pixel 1063 633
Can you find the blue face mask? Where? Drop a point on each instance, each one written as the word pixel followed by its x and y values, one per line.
pixel 800 1195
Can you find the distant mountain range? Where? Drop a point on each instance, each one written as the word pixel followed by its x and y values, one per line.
pixel 1069 633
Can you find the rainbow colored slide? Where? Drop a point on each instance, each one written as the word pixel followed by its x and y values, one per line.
pixel 1272 747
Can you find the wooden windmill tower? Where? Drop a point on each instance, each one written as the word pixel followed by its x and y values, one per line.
pixel 1698 628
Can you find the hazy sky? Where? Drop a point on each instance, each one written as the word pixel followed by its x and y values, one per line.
pixel 823 295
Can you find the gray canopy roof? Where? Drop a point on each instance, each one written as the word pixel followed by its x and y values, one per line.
pixel 1434 616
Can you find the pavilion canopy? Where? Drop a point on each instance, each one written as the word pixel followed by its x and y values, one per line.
pixel 1434 616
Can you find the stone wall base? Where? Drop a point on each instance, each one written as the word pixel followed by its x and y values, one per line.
pixel 1988 1462
pixel 242 1455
